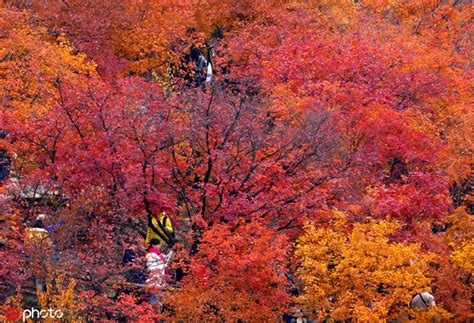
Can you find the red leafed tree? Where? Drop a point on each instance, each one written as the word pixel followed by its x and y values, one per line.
pixel 314 106
pixel 237 274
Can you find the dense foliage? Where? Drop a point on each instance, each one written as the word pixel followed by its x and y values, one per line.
pixel 331 155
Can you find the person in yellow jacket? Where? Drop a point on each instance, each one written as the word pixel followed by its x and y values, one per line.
pixel 37 236
pixel 160 227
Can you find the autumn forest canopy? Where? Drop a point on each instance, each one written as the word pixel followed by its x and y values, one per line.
pixel 311 156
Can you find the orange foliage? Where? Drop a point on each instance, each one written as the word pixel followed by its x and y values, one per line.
pixel 315 105
pixel 238 274
pixel 355 271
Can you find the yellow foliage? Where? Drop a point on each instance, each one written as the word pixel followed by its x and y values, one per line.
pixel 461 240
pixel 60 295
pixel 463 256
pixel 356 271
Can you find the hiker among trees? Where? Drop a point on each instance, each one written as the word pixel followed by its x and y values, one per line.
pixel 52 228
pixel 5 161
pixel 202 58
pixel 423 300
pixel 133 274
pixel 157 264
pixel 160 228
pixel 38 248
pixel 37 234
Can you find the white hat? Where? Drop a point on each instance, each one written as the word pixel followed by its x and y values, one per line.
pixel 423 300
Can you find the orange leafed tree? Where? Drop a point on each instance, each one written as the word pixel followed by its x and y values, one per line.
pixel 238 274
pixel 314 105
pixel 355 271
